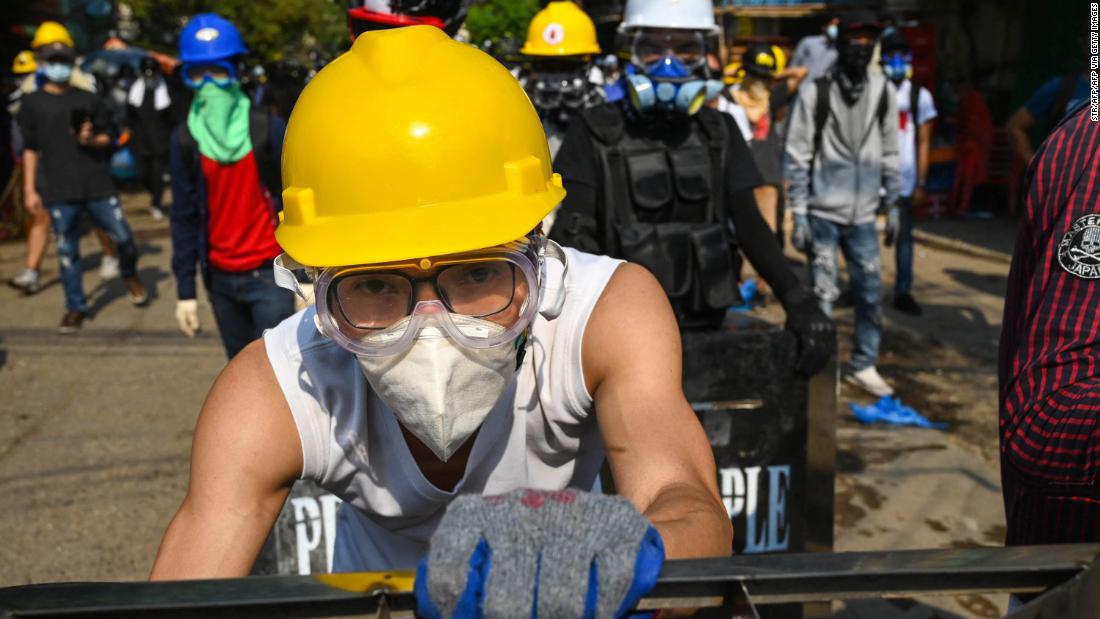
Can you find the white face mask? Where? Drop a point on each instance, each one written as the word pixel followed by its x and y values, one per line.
pixel 439 391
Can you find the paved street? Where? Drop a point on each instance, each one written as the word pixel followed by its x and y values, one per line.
pixel 97 426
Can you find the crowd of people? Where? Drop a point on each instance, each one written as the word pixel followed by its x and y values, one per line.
pixel 488 274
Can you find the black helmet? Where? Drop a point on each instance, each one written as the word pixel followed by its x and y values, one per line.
pixel 759 61
pixel 366 15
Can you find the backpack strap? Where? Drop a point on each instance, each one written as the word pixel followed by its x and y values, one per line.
pixel 914 115
pixel 821 116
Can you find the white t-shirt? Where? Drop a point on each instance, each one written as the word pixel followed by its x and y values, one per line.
pixel 907 133
pixel 541 433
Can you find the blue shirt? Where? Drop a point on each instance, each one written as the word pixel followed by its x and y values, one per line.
pixel 1041 101
pixel 817 54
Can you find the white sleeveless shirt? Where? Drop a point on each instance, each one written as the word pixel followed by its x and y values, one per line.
pixel 540 434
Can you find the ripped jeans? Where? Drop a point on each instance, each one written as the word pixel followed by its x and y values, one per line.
pixel 860 246
pixel 106 213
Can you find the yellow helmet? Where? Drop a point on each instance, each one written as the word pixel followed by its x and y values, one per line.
pixel 50 32
pixel 24 63
pixel 561 29
pixel 780 58
pixel 384 160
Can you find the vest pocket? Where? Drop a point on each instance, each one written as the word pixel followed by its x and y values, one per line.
pixel 650 185
pixel 691 176
pixel 663 249
pixel 714 288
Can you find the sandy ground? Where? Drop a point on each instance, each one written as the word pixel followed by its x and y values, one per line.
pixel 97 426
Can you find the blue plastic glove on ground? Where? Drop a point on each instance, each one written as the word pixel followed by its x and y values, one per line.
pixel 532 554
pixel 890 410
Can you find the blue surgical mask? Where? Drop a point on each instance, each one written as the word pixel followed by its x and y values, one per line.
pixel 58 72
pixel 831 31
pixel 670 86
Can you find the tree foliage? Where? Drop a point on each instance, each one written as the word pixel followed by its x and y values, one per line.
pixel 500 24
pixel 273 30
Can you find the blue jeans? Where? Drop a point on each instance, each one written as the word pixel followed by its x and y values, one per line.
pixel 904 255
pixel 246 304
pixel 860 246
pixel 106 213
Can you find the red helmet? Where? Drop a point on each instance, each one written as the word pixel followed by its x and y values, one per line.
pixel 366 15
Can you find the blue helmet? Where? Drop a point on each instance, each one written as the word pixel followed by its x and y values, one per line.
pixel 209 37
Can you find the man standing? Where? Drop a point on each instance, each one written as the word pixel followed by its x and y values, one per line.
pixel 1050 343
pixel 916 111
pixel 660 179
pixel 225 181
pixel 66 140
pixel 818 52
pixel 460 376
pixel 842 147
pixel 149 116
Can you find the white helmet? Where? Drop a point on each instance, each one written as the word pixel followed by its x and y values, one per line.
pixel 685 14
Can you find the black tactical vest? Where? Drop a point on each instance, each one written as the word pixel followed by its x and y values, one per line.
pixel 663 207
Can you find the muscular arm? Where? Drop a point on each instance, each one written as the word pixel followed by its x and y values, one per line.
pixel 244 458
pixel 658 453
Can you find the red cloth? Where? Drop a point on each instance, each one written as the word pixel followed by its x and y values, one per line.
pixel 241 233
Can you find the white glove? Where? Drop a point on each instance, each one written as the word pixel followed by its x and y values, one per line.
pixel 187 315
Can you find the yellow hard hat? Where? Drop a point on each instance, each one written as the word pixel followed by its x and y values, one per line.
pixel 780 58
pixel 561 29
pixel 732 73
pixel 50 32
pixel 386 160
pixel 24 63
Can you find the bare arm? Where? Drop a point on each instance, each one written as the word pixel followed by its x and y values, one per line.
pixel 244 458
pixel 659 455
pixel 1018 126
pixel 793 76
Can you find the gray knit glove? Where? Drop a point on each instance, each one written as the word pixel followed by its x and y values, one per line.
pixel 570 553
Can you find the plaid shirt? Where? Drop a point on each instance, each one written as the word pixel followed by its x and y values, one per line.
pixel 1050 346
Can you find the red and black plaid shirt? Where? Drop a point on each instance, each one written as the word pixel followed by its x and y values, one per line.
pixel 1050 346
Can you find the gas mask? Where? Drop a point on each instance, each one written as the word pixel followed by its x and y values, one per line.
pixel 668 72
pixel 668 85
pixel 897 66
pixel 558 94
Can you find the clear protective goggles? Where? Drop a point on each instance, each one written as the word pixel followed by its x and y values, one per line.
pixel 554 90
pixel 650 45
pixel 221 73
pixel 481 299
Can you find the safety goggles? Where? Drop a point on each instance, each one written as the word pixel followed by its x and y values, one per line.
pixel 651 45
pixel 221 73
pixel 554 90
pixel 480 299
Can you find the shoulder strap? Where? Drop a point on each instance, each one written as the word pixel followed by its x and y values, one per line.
pixel 821 114
pixel 604 122
pixel 880 112
pixel 914 117
pixel 716 133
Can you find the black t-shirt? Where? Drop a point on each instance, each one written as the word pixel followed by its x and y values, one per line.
pixel 577 161
pixel 67 171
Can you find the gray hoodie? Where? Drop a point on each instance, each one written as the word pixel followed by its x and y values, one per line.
pixel 856 159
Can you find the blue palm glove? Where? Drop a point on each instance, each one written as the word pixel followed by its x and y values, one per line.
pixel 532 553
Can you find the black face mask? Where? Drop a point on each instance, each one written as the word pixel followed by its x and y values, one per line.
pixel 853 58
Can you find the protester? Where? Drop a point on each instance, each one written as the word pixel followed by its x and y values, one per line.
pixel 1054 100
pixel 368 15
pixel 818 52
pixel 50 35
pixel 916 111
pixel 443 361
pixel 657 178
pixel 762 87
pixel 561 40
pixel 842 147
pixel 1050 341
pixel 225 192
pixel 66 139
pixel 150 119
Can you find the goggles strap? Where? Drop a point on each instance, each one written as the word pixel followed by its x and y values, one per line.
pixel 553 284
pixel 284 267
